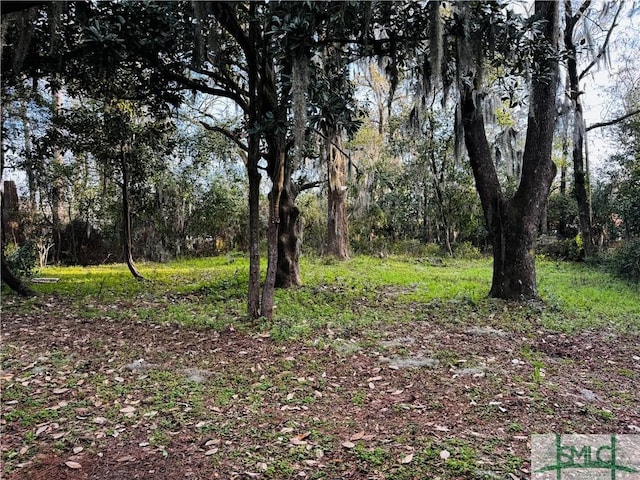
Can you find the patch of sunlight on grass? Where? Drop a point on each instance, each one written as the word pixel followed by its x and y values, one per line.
pixel 212 291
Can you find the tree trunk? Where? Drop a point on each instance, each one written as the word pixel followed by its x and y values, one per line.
pixel 513 222
pixel 289 240
pixel 277 186
pixel 8 277
pixel 253 159
pixel 253 294
pixel 337 223
pixel 127 244
pixel 580 172
pixel 57 187
pixel 513 239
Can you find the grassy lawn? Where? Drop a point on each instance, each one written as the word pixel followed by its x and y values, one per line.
pixel 393 368
pixel 575 296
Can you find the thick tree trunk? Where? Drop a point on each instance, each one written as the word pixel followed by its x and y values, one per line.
pixel 337 223
pixel 513 222
pixel 289 240
pixel 277 174
pixel 127 244
pixel 513 241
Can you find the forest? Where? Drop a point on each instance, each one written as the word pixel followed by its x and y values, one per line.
pixel 441 198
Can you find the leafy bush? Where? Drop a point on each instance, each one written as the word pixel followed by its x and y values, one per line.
pixel 466 251
pixel 561 249
pixel 415 248
pixel 625 260
pixel 22 260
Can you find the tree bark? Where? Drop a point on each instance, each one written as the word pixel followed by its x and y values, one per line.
pixel 337 223
pixel 253 158
pixel 277 186
pixel 580 174
pixel 513 222
pixel 57 187
pixel 289 240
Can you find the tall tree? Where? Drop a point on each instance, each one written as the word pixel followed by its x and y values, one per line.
pixel 581 185
pixel 512 220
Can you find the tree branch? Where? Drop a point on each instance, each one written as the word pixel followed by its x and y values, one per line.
pixel 230 135
pixel 604 45
pixel 332 143
pixel 581 10
pixel 614 121
pixel 189 83
pixel 310 185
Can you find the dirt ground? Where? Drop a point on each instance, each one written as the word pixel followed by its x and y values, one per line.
pixel 97 398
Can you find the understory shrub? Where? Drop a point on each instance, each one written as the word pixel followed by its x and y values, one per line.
pixel 22 259
pixel 561 249
pixel 625 260
pixel 466 251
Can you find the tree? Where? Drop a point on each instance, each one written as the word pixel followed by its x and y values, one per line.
pixel 581 186
pixel 512 220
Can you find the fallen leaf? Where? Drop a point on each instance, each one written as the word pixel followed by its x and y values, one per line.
pixel 59 391
pixel 215 441
pixel 99 420
pixel 348 444
pixel 211 451
pixel 357 436
pixel 73 465
pixel 299 439
pixel 407 459
pixel 126 458
pixel 374 379
pixel 77 450
pixel 128 409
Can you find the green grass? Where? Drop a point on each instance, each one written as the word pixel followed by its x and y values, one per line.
pixel 346 296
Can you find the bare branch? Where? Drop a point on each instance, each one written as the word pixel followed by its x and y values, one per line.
pixel 614 121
